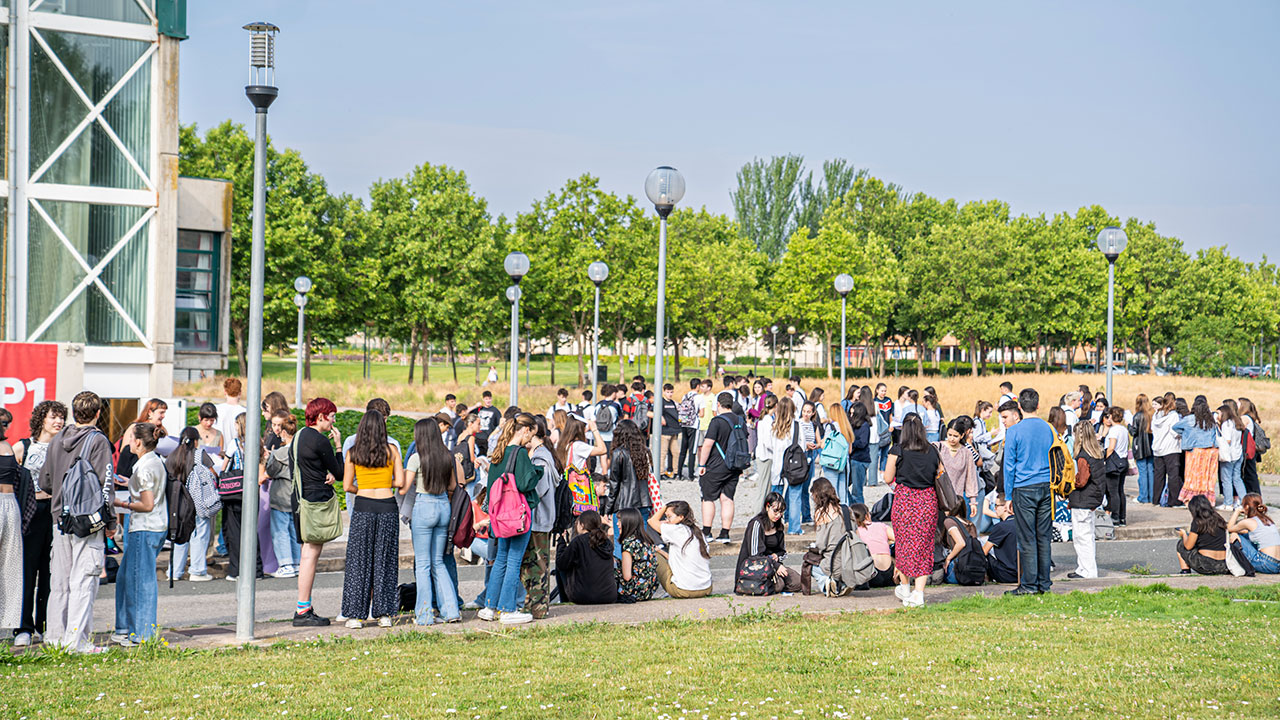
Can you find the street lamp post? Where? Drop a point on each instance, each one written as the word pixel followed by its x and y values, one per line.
pixel 664 188
pixel 773 350
pixel 844 285
pixel 791 349
pixel 1111 241
pixel 261 91
pixel 597 272
pixel 302 284
pixel 517 266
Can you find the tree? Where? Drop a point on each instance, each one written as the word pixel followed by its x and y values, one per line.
pixel 1148 278
pixel 765 202
pixel 837 179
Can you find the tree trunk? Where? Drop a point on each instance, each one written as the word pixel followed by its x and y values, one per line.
pixel 919 354
pixel 1151 361
pixel 830 369
pixel 880 353
pixel 241 361
pixel 426 355
pixel 713 363
pixel 475 358
pixel 306 354
pixel 1037 351
pixel 582 342
pixel 555 345
pixel 676 360
pixel 413 351
pixel 973 357
pixel 982 356
pixel 453 356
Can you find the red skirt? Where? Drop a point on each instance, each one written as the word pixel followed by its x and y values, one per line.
pixel 915 523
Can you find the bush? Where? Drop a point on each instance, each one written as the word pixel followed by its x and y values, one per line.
pixel 398 426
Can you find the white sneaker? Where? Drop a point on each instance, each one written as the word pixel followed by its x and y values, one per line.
pixel 384 621
pixel 354 624
pixel 231 578
pixel 902 592
pixel 119 638
pixel 22 640
pixel 340 618
pixel 915 599
pixel 486 613
pixel 471 605
pixel 285 573
pixel 515 618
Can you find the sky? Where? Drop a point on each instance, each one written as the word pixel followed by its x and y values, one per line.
pixel 1166 111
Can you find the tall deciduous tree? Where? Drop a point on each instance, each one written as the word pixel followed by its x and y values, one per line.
pixel 766 200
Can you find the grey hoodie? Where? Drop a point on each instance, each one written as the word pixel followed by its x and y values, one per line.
pixel 63 449
pixel 544 515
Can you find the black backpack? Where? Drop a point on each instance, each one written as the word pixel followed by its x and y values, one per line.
pixel 735 453
pixel 182 515
pixel 795 464
pixel 564 506
pixel 971 563
pixel 641 416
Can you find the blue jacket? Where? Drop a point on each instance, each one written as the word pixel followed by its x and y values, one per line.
pixel 1194 438
pixel 1026 454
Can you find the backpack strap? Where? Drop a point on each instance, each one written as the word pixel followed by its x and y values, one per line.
pixel 795 432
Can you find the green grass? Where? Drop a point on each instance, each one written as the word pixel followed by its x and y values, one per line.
pixel 1126 652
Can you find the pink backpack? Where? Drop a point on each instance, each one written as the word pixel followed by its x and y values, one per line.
pixel 509 513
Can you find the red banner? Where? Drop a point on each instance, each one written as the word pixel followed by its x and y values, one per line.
pixel 28 376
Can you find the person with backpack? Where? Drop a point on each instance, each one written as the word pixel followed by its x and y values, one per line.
pixel 277 475
pixel 965 563
pixel 233 504
pixel 373 471
pixel 839 560
pixel 684 568
pixel 859 451
pixel 512 494
pixel 434 475
pixel 185 459
pixel 535 568
pixel 1091 471
pixel 913 466
pixel 136 586
pixel 637 571
pixel 721 460
pixel 836 451
pixel 878 538
pixel 783 435
pixel 1258 442
pixel 584 567
pixel 764 546
pixel 687 414
pixel 627 486
pixel 77 462
pixel 607 413
pixel 47 420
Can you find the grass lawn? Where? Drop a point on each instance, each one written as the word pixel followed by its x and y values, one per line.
pixel 1125 652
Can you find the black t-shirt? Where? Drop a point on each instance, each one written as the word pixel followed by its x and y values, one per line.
pixel 316 460
pixel 718 431
pixel 1003 558
pixel 490 417
pixel 670 418
pixel 1215 540
pixel 916 468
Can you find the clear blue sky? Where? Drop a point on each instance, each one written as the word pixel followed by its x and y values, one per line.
pixel 1165 110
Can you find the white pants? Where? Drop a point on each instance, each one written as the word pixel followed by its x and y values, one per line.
pixel 73 585
pixel 10 562
pixel 1082 533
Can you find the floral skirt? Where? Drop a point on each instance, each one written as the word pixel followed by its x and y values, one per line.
pixel 1200 477
pixel 915 523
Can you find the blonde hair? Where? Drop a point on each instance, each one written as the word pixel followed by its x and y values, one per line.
pixel 783 416
pixel 508 430
pixel 841 419
pixel 1087 441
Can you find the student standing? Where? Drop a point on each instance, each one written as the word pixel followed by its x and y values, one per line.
pixel 1143 453
pixel 373 539
pixel 188 456
pixel 670 431
pixel 1026 483
pixel 136 586
pixel 535 568
pixel 1090 467
pixel 1252 426
pixel 230 408
pixel 1230 455
pixel 510 454
pixel 716 480
pixel 47 420
pixel 10 531
pixel 1199 434
pixel 316 470
pixel 277 474
pixel 913 465
pixel 1166 462
pixel 859 451
pixel 689 432
pixel 434 475
pixel 1116 444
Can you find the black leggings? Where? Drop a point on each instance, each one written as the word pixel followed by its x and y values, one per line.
pixel 1249 473
pixel 1115 495
pixel 1166 470
pixel 231 514
pixel 37 548
pixel 687 438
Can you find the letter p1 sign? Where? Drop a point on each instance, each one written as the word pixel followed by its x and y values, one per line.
pixel 28 377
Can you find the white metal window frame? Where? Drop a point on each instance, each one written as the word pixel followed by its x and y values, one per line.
pixel 24 191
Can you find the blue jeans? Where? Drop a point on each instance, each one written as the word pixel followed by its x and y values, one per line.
pixel 840 480
pixel 1033 515
pixel 795 507
pixel 806 512
pixel 873 467
pixel 137 587
pixel 1261 563
pixel 1232 482
pixel 1146 470
pixel 285 541
pixel 884 460
pixel 951 573
pixel 983 522
pixel 197 548
pixel 857 478
pixel 502 591
pixel 430 521
pixel 933 436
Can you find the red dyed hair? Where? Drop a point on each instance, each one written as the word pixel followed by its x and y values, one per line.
pixel 317 407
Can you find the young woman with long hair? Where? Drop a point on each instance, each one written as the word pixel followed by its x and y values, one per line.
pixel 373 471
pixel 585 566
pixel 47 419
pixel 684 568
pixel 1091 469
pixel 825 577
pixel 784 427
pixel 913 465
pixel 628 483
pixel 932 418
pixel 1116 443
pixel 861 425
pixel 1166 452
pixel 318 467
pixel 277 475
pixel 766 534
pixel 273 403
pixel 958 461
pixel 879 539
pixel 153 413
pixel 1143 454
pixel 232 505
pixel 509 453
pixel 578 442
pixel 1230 454
pixel 839 479
pixel 1203 547
pixel 136 586
pixel 1252 425
pixel 637 573
pixel 188 456
pixel 1258 535
pixel 433 473
pixel 535 568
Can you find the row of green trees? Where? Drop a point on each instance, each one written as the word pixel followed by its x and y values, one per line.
pixel 421 262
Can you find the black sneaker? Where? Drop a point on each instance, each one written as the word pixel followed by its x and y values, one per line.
pixel 309 619
pixel 723 537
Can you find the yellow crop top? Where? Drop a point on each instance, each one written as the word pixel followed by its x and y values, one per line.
pixel 368 478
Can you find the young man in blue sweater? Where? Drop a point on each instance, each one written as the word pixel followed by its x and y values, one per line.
pixel 1026 484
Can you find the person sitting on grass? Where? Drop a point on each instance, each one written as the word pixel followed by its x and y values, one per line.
pixel 1203 548
pixel 829 523
pixel 1258 535
pixel 1001 545
pixel 637 571
pixel 584 567
pixel 878 537
pixel 766 534
pixel 684 568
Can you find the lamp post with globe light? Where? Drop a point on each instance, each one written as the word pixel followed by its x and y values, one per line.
pixel 517 266
pixel 1111 242
pixel 664 187
pixel 302 284
pixel 773 349
pixel 791 349
pixel 844 285
pixel 597 272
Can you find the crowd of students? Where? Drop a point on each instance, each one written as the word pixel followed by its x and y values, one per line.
pixel 973 498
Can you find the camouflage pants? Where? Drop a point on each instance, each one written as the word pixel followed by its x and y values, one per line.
pixel 534 573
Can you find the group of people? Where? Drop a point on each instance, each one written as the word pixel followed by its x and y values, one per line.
pixel 972 498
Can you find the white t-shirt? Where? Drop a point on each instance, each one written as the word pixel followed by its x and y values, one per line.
pixel 1120 434
pixel 149 474
pixel 226 422
pixel 578 454
pixel 689 570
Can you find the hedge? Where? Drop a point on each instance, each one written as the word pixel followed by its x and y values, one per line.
pixel 398 426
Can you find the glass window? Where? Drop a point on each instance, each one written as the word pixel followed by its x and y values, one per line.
pixel 122 10
pixel 196 307
pixel 53 273
pixel 97 64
